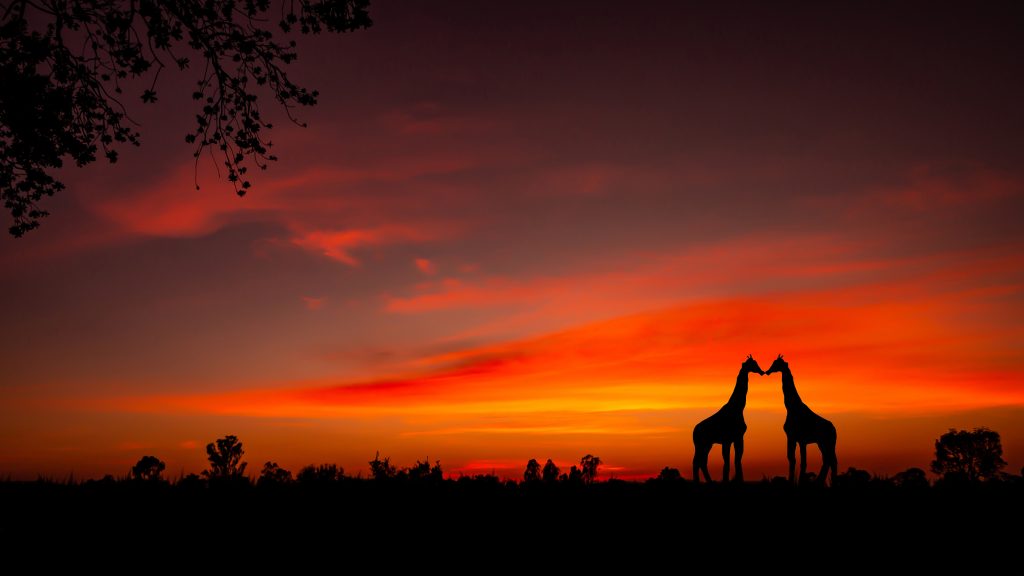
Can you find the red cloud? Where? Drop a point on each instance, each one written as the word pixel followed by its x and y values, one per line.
pixel 426 266
pixel 339 244
pixel 313 303
pixel 927 190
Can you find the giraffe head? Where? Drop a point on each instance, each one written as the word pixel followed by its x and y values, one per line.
pixel 750 365
pixel 778 365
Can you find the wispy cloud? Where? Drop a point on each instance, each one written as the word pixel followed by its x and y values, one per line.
pixel 314 303
pixel 426 266
pixel 340 244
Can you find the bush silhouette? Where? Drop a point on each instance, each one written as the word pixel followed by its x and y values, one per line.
pixel 853 478
pixel 381 469
pixel 424 472
pixel 575 475
pixel 148 469
pixel 320 475
pixel 274 475
pixel 670 474
pixel 191 482
pixel 911 478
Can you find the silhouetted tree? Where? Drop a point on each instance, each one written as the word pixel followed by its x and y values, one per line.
pixel 225 457
pixel 669 474
pixel 968 455
pixel 319 475
pixel 488 481
pixel 588 468
pixel 273 475
pixel 64 67
pixel 381 469
pixel 423 471
pixel 148 469
pixel 911 478
pixel 550 472
pixel 106 481
pixel 532 473
pixel 191 482
pixel 853 478
pixel 575 475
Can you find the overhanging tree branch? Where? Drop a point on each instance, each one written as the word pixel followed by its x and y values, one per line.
pixel 59 103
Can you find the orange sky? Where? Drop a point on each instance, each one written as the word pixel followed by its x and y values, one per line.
pixel 476 256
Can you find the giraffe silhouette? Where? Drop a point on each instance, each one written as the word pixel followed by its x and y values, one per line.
pixel 725 427
pixel 804 427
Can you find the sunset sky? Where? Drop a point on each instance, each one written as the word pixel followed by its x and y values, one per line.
pixel 520 230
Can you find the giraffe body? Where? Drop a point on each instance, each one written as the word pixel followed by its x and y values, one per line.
pixel 804 427
pixel 725 427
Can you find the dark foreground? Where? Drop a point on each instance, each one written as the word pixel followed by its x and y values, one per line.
pixel 456 525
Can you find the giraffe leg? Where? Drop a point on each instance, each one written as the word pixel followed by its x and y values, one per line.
pixel 791 455
pixel 700 462
pixel 826 463
pixel 829 463
pixel 803 461
pixel 739 458
pixel 725 456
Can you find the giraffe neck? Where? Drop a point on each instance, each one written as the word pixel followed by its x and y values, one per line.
pixel 738 400
pixel 789 394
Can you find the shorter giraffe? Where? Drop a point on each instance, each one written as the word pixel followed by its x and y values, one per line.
pixel 804 427
pixel 725 427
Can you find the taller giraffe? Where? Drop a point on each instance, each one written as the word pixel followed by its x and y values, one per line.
pixel 804 427
pixel 725 427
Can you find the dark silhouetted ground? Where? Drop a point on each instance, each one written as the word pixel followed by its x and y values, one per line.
pixel 483 524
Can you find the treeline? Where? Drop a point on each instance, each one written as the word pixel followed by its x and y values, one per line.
pixel 962 457
pixel 226 467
